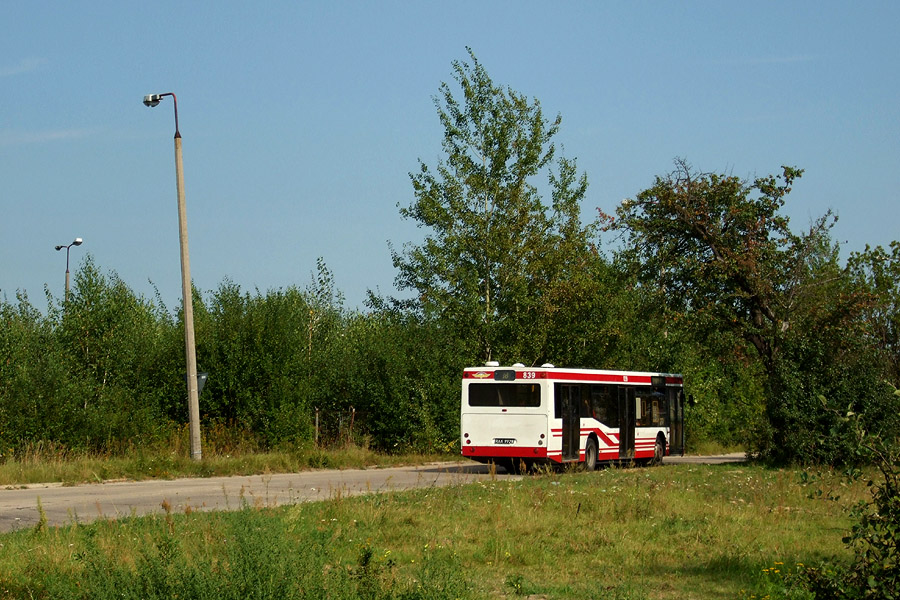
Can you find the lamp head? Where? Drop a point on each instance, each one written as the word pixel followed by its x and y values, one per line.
pixel 60 247
pixel 151 100
pixel 77 242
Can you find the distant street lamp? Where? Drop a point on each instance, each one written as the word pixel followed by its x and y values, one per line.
pixel 75 242
pixel 190 350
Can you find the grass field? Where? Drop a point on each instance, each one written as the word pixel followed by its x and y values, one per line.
pixel 682 531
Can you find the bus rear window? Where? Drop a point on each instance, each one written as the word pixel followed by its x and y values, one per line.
pixel 523 395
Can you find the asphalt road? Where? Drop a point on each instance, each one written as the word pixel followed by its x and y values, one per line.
pixel 110 500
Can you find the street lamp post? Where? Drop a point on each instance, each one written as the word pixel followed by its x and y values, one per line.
pixel 190 350
pixel 75 242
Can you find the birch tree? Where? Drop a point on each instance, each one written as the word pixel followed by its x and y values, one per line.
pixel 496 255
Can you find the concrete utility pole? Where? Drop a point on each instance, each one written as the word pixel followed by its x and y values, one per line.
pixel 190 350
pixel 76 242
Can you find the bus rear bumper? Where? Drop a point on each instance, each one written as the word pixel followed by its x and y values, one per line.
pixel 489 452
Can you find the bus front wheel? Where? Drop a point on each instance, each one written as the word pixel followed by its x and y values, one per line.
pixel 659 451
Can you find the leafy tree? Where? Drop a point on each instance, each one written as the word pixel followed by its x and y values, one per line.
pixel 878 271
pixel 87 373
pixel 115 347
pixel 33 377
pixel 731 267
pixel 498 263
pixel 274 359
pixel 720 252
pixel 256 350
pixel 404 377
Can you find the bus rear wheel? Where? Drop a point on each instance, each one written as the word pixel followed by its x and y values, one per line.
pixel 590 455
pixel 517 466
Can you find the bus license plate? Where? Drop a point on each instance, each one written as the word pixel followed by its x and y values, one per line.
pixel 504 441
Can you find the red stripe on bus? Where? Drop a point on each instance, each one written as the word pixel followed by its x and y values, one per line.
pixel 608 377
pixel 571 376
pixel 599 377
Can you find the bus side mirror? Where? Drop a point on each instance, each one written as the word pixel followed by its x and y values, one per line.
pixel 691 402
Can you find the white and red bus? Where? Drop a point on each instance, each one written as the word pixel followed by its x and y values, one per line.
pixel 521 416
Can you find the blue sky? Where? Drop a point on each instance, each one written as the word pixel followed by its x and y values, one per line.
pixel 302 120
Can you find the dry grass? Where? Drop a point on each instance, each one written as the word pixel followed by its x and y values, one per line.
pixel 225 452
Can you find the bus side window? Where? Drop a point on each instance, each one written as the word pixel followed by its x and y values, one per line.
pixel 598 407
pixel 585 409
pixel 605 404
